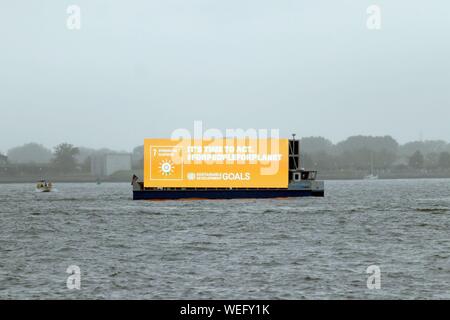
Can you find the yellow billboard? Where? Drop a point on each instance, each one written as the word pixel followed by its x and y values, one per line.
pixel 216 163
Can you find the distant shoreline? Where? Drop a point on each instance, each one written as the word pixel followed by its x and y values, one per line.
pixel 91 179
pixel 409 174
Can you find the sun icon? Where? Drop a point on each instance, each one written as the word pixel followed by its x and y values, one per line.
pixel 166 167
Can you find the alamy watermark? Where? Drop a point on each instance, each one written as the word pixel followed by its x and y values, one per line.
pixel 374 280
pixel 211 134
pixel 374 17
pixel 373 21
pixel 74 280
pixel 221 145
pixel 73 21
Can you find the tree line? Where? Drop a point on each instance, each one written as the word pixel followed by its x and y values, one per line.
pixel 33 158
pixel 383 153
pixel 355 153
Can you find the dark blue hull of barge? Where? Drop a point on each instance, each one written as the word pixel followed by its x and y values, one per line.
pixel 223 194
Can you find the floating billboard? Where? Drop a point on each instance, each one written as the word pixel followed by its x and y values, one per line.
pixel 216 163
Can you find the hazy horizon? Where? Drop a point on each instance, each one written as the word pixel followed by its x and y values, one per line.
pixel 140 69
pixel 130 149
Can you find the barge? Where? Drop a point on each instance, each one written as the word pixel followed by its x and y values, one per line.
pixel 300 183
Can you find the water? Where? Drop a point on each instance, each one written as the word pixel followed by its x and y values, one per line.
pixel 302 248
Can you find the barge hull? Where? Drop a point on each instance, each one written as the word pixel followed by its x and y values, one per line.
pixel 223 194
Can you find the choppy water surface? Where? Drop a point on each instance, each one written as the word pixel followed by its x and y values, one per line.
pixel 230 249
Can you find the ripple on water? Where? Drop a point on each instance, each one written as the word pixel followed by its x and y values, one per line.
pixel 232 249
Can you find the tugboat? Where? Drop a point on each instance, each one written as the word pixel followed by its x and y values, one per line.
pixel 44 186
pixel 301 183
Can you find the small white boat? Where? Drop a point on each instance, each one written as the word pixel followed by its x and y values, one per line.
pixel 44 186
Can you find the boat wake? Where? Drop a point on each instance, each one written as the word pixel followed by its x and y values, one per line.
pixel 46 191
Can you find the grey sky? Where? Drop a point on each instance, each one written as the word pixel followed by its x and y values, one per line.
pixel 141 69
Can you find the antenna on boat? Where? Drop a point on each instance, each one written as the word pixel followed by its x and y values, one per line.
pixel 293 136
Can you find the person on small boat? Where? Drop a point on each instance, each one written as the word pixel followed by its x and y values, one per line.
pixel 44 186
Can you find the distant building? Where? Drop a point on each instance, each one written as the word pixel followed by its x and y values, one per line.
pixel 108 164
pixel 3 159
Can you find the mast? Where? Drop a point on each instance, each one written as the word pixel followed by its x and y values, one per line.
pixel 295 156
pixel 371 163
